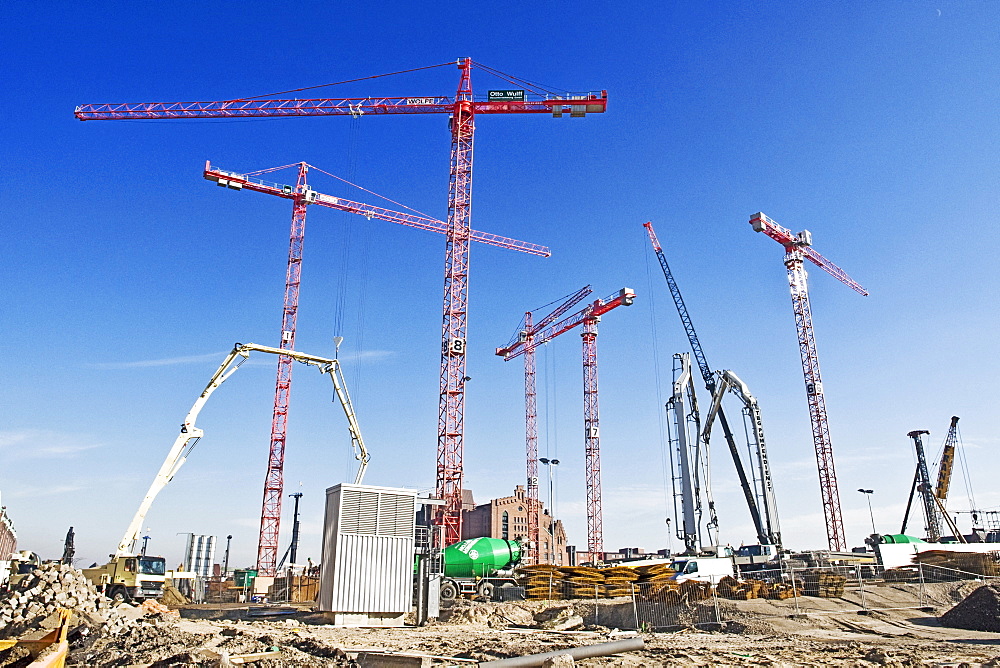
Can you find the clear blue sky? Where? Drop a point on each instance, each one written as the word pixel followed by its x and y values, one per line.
pixel 127 277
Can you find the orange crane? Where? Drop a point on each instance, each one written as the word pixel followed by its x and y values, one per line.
pixel 525 336
pixel 302 196
pixel 588 319
pixel 522 98
pixel 798 247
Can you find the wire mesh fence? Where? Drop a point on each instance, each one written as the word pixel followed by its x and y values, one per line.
pixel 665 604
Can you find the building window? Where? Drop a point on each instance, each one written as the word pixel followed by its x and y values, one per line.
pixel 505 526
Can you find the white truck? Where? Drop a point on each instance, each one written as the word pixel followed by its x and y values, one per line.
pixel 705 569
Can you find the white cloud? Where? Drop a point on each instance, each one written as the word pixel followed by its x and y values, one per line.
pixel 167 361
pixel 42 443
pixel 258 360
pixel 34 491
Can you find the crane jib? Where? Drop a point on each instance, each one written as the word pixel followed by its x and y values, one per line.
pixel 574 105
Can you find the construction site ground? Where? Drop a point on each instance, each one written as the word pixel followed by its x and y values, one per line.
pixel 754 633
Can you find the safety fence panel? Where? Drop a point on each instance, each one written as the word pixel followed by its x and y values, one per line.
pixel 667 605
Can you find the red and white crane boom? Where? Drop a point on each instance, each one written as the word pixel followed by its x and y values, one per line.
pixel 525 337
pixel 798 247
pixel 238 181
pixel 462 108
pixel 302 195
pixel 588 319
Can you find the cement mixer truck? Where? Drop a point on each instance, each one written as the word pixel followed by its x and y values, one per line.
pixel 478 566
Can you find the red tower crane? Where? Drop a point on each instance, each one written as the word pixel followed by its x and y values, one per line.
pixel 302 196
pixel 798 247
pixel 588 319
pixel 526 99
pixel 525 337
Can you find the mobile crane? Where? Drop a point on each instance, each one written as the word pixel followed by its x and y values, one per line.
pixel 128 576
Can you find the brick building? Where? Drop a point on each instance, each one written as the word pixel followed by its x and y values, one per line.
pixel 507 518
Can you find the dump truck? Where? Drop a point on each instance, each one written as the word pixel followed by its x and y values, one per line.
pixel 478 566
pixel 129 577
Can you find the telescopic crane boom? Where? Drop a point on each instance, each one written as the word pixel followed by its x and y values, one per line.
pixel 765 526
pixel 770 533
pixel 189 435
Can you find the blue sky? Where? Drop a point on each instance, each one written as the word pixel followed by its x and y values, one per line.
pixel 128 277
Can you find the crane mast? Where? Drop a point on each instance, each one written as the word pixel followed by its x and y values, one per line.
pixel 759 522
pixel 798 248
pixel 302 196
pixel 682 411
pixel 274 482
pixel 462 109
pixel 525 338
pixel 924 487
pixel 587 318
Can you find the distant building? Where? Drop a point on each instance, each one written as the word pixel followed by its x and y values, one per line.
pixel 507 518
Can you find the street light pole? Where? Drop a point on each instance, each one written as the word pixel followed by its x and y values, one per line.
pixel 868 493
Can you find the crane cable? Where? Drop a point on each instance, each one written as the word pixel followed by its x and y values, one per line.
pixel 347 81
pixel 665 453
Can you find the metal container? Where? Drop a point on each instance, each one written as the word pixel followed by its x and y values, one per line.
pixel 200 554
pixel 244 577
pixel 368 547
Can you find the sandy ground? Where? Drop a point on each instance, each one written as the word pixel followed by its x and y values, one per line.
pixel 757 633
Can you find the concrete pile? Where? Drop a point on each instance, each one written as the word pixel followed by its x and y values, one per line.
pixel 38 596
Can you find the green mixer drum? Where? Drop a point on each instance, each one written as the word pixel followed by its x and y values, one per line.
pixel 480 557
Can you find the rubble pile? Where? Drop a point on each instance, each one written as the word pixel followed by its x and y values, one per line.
pixel 980 611
pixel 50 587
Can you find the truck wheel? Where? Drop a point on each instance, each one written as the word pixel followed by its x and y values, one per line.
pixel 485 589
pixel 119 595
pixel 449 590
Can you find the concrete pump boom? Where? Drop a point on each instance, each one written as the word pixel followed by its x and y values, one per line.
pixel 190 434
pixel 768 532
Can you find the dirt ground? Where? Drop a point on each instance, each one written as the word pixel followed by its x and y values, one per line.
pixel 756 633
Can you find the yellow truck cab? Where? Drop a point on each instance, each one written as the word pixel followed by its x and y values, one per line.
pixel 129 578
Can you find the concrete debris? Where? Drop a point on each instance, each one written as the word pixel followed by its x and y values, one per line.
pixel 559 619
pixel 33 602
